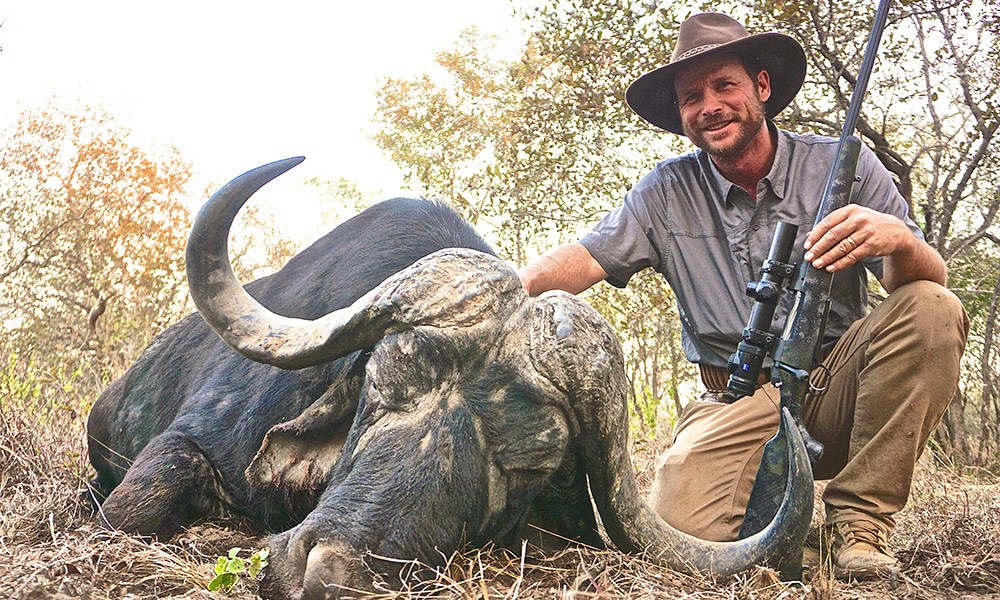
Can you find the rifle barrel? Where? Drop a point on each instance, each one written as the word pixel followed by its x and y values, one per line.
pixel 867 65
pixel 854 108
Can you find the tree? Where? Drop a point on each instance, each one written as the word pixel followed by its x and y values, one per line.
pixel 92 236
pixel 535 148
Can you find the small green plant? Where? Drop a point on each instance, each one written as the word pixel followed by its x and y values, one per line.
pixel 228 570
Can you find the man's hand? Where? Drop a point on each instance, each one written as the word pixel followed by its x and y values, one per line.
pixel 853 233
pixel 850 234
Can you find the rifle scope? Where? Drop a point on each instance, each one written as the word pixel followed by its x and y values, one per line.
pixel 745 364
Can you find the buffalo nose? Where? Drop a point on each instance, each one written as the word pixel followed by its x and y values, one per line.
pixel 334 569
pixel 306 563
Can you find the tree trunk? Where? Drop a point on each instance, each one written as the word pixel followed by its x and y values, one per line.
pixel 950 432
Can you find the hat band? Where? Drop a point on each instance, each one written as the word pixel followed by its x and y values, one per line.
pixel 696 50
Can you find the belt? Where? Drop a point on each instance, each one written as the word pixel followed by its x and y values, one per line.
pixel 716 379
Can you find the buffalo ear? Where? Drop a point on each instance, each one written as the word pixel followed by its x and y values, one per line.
pixel 299 454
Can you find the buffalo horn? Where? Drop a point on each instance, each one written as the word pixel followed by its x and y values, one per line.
pixel 778 545
pixel 634 526
pixel 578 352
pixel 247 326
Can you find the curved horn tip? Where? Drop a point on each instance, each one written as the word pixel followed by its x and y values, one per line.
pixel 230 197
pixel 256 178
pixel 220 210
pixel 276 168
pixel 288 163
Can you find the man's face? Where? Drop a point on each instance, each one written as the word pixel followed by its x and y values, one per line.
pixel 721 106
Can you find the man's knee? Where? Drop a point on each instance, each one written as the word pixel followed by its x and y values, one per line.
pixel 923 331
pixel 932 303
pixel 934 312
pixel 703 481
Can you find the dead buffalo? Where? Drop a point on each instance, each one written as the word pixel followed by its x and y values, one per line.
pixel 410 399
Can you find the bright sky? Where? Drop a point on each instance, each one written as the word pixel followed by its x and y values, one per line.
pixel 235 84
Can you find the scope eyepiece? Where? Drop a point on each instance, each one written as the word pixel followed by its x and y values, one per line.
pixel 744 369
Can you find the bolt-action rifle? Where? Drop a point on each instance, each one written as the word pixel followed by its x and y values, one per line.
pixel 797 352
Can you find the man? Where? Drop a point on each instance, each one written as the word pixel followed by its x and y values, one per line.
pixel 705 221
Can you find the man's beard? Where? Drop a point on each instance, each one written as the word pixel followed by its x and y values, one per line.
pixel 749 127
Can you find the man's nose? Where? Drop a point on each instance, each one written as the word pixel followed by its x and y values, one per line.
pixel 710 103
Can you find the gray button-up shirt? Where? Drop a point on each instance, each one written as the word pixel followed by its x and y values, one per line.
pixel 708 237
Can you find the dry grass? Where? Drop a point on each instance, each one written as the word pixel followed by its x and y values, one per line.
pixel 52 546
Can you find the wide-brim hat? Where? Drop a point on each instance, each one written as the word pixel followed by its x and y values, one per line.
pixel 652 95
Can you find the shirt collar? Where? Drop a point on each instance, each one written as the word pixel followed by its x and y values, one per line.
pixel 779 169
pixel 724 187
pixel 775 177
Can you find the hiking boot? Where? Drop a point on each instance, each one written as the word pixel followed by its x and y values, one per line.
pixel 860 550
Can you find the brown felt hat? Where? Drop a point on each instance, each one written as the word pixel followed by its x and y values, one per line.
pixel 652 95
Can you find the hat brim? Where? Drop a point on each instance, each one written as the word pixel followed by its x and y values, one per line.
pixel 652 95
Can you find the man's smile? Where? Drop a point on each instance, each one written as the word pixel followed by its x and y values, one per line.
pixel 717 125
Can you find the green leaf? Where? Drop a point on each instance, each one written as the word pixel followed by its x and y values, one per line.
pixel 234 551
pixel 220 565
pixel 236 565
pixel 224 582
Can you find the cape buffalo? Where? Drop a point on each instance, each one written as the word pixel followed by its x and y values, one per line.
pixel 412 398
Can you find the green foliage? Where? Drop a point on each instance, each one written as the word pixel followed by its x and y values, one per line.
pixel 45 392
pixel 229 568
pixel 19 389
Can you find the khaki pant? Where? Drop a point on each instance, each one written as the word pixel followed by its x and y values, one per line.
pixel 892 375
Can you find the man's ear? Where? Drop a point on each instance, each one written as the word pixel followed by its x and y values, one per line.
pixel 763 85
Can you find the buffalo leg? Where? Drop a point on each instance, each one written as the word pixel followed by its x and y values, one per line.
pixel 168 486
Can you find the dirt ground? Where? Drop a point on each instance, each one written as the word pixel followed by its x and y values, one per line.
pixel 52 545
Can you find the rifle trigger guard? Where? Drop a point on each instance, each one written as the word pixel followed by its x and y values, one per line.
pixel 815 390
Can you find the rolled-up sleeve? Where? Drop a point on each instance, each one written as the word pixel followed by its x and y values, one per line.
pixel 624 243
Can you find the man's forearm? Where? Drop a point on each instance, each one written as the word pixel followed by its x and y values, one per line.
pixel 569 267
pixel 919 262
